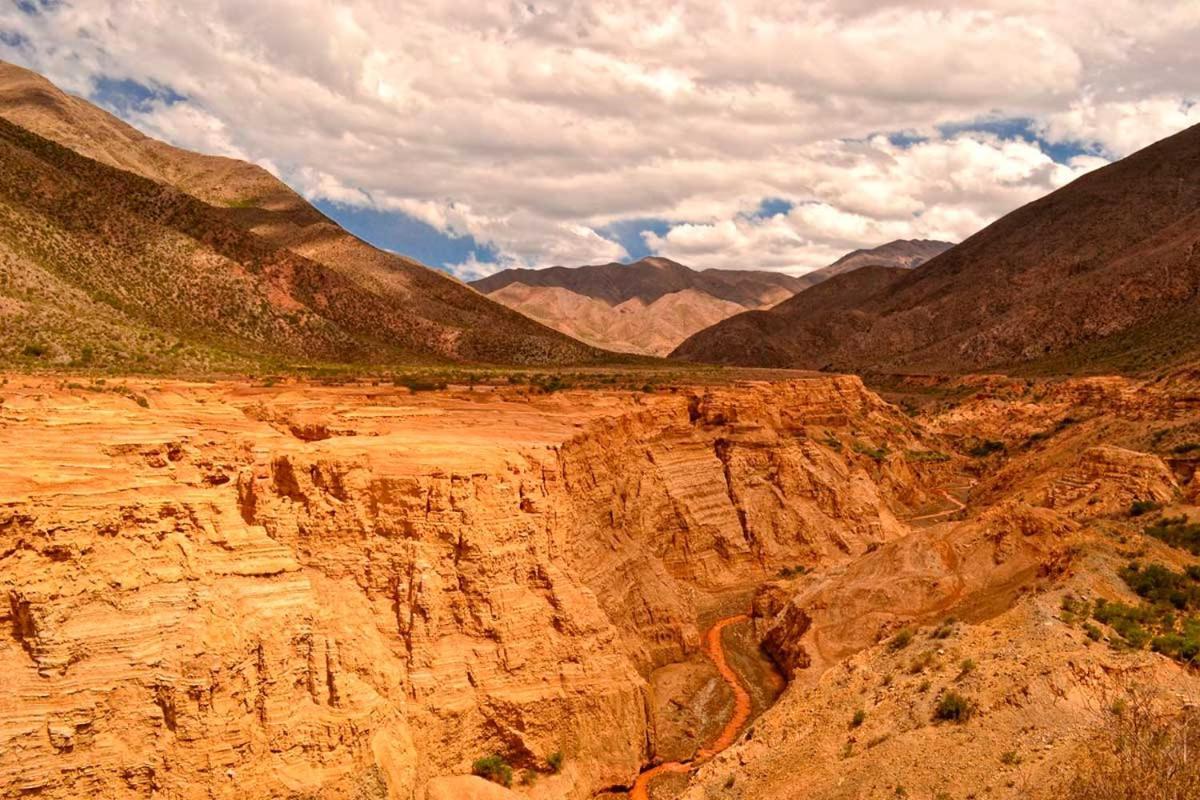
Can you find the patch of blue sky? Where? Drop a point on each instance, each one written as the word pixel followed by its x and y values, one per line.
pixel 400 233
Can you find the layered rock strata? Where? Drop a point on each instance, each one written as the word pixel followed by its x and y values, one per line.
pixel 223 590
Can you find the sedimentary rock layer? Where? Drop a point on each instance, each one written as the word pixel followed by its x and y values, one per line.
pixel 223 590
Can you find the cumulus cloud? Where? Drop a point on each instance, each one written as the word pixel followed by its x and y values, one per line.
pixel 533 126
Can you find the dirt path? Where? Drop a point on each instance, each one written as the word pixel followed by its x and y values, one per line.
pixel 958 506
pixel 715 650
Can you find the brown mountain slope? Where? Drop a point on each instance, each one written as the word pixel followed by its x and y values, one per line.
pixel 905 253
pixel 650 279
pixel 125 245
pixel 633 326
pixel 1101 274
pixel 647 307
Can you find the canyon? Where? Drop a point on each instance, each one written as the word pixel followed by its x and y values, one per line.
pixel 220 589
pixel 297 590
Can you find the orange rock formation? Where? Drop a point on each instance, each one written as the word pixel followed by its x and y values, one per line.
pixel 217 590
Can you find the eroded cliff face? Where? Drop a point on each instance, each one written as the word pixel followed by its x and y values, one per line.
pixel 220 590
pixel 993 599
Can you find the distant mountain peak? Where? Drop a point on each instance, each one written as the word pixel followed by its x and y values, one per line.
pixel 647 306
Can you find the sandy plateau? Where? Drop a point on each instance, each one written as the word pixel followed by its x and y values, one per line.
pixel 295 591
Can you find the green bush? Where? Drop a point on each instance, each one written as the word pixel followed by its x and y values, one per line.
pixel 555 761
pixel 495 769
pixel 987 448
pixel 1140 507
pixel 418 384
pixel 1158 584
pixel 858 719
pixel 901 640
pixel 877 453
pixel 953 707
pixel 926 455
pixel 1178 533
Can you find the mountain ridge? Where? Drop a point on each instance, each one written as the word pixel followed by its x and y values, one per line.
pixel 201 211
pixel 1112 254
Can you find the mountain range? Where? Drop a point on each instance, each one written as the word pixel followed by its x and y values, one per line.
pixel 653 304
pixel 1100 275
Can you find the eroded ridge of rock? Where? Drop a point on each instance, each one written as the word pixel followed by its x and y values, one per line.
pixel 219 591
pixel 979 654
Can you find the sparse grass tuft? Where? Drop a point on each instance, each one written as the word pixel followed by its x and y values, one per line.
pixel 953 707
pixel 1143 750
pixel 901 640
pixel 495 769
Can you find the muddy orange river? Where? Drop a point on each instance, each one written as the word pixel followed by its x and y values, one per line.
pixel 715 650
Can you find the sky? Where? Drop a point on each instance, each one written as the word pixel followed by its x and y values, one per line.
pixel 477 135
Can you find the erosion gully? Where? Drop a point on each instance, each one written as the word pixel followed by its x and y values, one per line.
pixel 748 666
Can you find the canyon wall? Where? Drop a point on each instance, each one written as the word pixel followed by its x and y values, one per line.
pixel 222 590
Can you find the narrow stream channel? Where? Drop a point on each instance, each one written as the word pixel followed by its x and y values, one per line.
pixel 714 648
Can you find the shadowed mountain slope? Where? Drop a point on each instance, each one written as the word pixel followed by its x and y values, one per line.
pixel 1102 274
pixel 649 279
pixel 904 253
pixel 647 307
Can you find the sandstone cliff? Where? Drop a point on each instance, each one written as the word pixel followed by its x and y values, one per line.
pixel 220 590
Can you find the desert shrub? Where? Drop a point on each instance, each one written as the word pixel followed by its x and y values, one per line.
pixel 1073 609
pixel 418 384
pixel 901 640
pixel 1185 449
pixel 1142 751
pixel 877 453
pixel 788 572
pixel 549 384
pixel 555 761
pixel 1179 646
pixel 1158 584
pixel 495 769
pixel 1162 622
pixel 33 350
pixel 1010 758
pixel 1140 507
pixel 966 667
pixel 926 455
pixel 945 630
pixel 953 707
pixel 922 662
pixel 1177 532
pixel 986 448
pixel 858 719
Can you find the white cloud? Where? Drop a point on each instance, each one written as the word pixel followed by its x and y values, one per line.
pixel 531 125
pixel 874 192
pixel 1121 126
